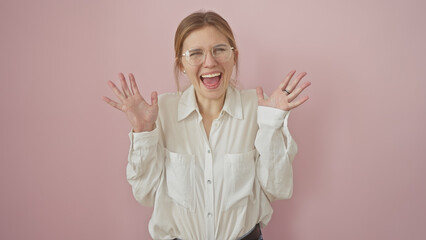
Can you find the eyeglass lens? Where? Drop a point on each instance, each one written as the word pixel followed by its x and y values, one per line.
pixel 221 53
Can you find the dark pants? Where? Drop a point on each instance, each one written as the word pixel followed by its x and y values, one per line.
pixel 254 234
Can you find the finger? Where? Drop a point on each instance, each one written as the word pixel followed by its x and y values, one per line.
pixel 154 98
pixel 297 91
pixel 116 91
pixel 298 102
pixel 121 79
pixel 125 93
pixel 124 86
pixel 284 83
pixel 133 84
pixel 292 85
pixel 112 103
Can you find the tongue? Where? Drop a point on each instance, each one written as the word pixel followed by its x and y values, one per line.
pixel 211 82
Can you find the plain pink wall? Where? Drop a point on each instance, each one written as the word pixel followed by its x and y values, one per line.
pixel 360 171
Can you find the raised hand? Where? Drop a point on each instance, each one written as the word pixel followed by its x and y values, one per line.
pixel 142 116
pixel 284 96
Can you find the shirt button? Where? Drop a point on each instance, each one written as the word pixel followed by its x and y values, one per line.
pixel 208 151
pixel 209 182
pixel 209 214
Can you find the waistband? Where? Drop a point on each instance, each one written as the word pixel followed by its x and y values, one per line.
pixel 254 234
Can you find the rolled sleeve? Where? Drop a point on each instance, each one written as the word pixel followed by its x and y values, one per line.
pixel 145 165
pixel 143 140
pixel 276 150
pixel 270 117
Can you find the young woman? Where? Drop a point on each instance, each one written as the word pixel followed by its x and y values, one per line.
pixel 212 158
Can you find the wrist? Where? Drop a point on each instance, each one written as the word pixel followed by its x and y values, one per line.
pixel 145 128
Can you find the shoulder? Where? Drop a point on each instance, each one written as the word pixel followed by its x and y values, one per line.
pixel 245 100
pixel 169 98
pixel 168 104
pixel 248 93
pixel 248 97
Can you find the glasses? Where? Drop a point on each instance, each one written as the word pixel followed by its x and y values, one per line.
pixel 220 52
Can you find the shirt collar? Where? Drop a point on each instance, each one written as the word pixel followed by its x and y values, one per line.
pixel 188 103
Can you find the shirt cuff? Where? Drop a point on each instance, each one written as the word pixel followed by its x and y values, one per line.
pixel 271 117
pixel 141 140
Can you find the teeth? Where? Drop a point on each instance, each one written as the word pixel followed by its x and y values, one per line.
pixel 210 75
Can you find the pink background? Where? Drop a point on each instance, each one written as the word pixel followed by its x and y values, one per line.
pixel 360 170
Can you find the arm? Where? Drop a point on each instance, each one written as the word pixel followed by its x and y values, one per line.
pixel 145 165
pixel 146 153
pixel 273 142
pixel 276 150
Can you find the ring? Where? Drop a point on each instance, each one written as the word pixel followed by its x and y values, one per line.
pixel 286 91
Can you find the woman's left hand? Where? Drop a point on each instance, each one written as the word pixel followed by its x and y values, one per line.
pixel 284 96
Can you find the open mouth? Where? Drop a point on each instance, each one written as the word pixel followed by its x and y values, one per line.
pixel 211 81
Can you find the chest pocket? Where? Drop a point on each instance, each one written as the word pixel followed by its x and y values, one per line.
pixel 239 177
pixel 180 179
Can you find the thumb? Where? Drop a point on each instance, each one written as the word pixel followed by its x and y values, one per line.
pixel 154 98
pixel 259 92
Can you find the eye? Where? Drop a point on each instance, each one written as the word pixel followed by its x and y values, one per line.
pixel 195 53
pixel 219 50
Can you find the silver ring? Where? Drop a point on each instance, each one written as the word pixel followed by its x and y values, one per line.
pixel 286 91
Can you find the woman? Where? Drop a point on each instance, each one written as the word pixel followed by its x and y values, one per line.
pixel 211 159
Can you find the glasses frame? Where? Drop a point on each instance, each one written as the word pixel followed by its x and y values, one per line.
pixel 186 54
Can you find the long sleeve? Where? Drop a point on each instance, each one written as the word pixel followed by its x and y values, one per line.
pixel 276 150
pixel 145 165
pixel 217 187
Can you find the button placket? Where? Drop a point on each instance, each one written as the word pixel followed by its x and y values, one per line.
pixel 209 200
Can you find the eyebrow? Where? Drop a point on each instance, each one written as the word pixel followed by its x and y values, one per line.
pixel 220 45
pixel 194 49
pixel 199 49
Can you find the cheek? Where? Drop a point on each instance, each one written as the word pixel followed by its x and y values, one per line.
pixel 229 70
pixel 191 73
pixel 193 77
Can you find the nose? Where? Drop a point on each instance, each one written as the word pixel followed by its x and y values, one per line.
pixel 210 61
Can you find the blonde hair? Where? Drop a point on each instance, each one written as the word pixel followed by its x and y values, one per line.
pixel 195 21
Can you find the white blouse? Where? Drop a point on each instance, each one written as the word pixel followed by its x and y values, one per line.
pixel 211 188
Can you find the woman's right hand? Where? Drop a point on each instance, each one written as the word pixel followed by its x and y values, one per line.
pixel 142 116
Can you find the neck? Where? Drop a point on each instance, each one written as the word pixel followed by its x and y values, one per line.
pixel 210 108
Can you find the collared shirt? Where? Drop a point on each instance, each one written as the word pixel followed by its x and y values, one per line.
pixel 216 187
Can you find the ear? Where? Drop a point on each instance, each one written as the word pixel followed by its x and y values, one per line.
pixel 235 56
pixel 180 65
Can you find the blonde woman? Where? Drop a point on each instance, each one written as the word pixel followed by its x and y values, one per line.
pixel 212 158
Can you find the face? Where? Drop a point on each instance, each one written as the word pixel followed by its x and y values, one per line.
pixel 211 78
